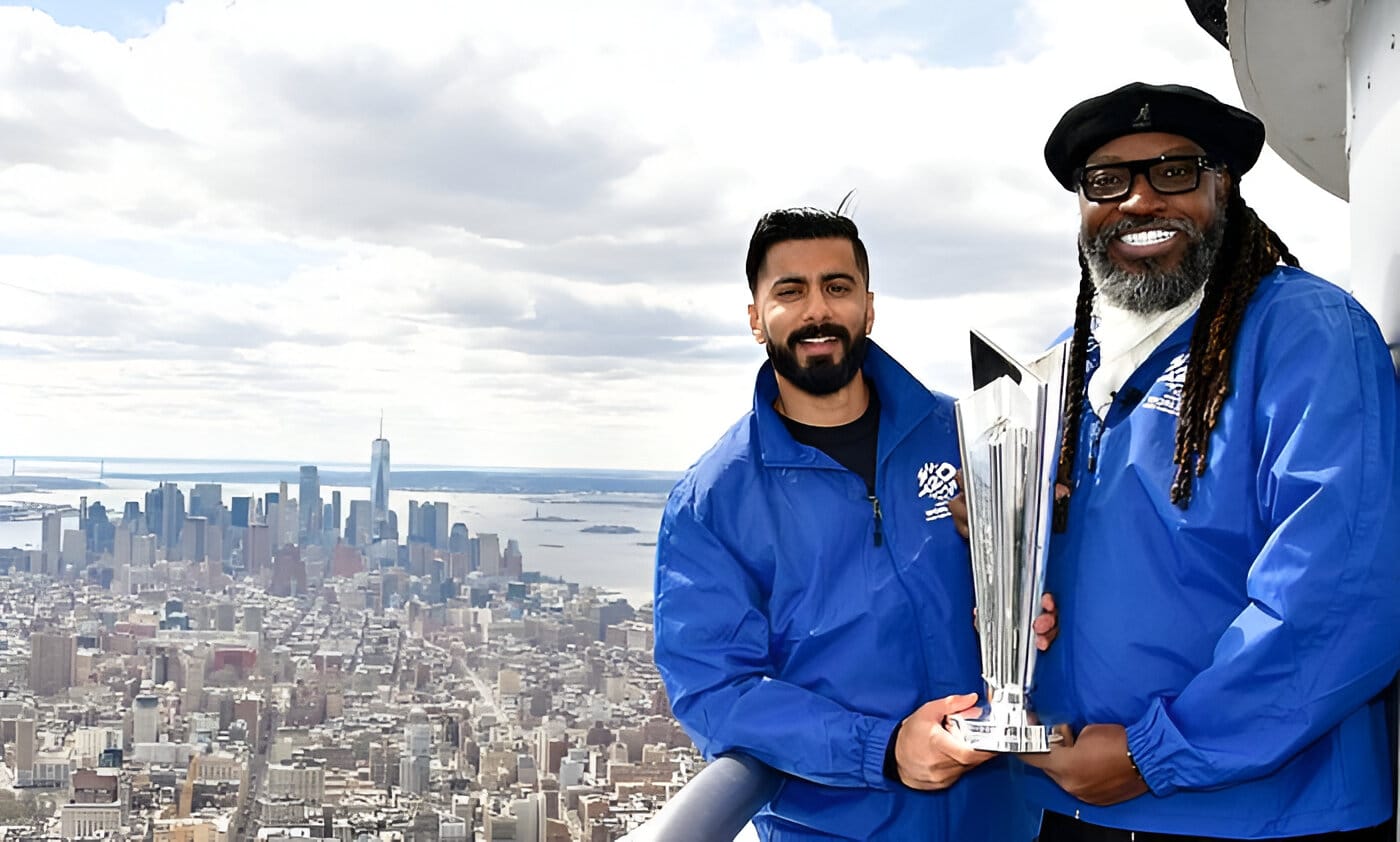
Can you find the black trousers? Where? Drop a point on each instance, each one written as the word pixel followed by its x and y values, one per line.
pixel 1060 828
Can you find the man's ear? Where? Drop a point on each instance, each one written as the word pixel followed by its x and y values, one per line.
pixel 755 326
pixel 869 312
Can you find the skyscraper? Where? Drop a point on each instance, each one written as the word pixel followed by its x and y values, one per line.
pixel 257 548
pixel 379 487
pixel 101 533
pixel 145 719
pixel 133 520
pixel 207 499
pixel 457 539
pixel 242 508
pixel 441 528
pixel 490 544
pixel 512 560
pixel 194 539
pixel 415 764
pixel 172 513
pixel 52 545
pixel 51 658
pixel 531 818
pixel 357 524
pixel 309 506
pixel 335 512
pixel 24 750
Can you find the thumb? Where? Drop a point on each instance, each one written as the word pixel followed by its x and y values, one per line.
pixel 952 704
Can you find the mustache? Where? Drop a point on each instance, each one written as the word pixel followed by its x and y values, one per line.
pixel 1099 243
pixel 819 332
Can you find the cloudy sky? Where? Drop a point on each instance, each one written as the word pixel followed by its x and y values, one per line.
pixel 241 228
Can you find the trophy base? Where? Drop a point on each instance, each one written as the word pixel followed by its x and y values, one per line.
pixel 1004 729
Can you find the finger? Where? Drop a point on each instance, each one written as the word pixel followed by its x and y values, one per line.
pixel 952 704
pixel 957 507
pixel 1043 623
pixel 1065 733
pixel 953 747
pixel 1047 603
pixel 1061 491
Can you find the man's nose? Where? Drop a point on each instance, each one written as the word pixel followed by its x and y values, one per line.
pixel 1142 198
pixel 818 308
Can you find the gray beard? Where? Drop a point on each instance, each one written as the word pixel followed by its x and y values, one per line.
pixel 1153 289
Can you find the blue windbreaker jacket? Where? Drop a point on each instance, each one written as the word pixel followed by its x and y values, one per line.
pixel 1242 641
pixel 795 625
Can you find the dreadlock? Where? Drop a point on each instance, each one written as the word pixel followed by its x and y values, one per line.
pixel 1074 388
pixel 1249 250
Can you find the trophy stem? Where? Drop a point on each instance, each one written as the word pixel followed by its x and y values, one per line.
pixel 1005 725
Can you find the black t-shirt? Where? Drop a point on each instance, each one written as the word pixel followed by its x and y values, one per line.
pixel 851 445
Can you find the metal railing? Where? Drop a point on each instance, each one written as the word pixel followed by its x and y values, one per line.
pixel 715 805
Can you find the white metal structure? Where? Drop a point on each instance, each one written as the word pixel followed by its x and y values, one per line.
pixel 1325 79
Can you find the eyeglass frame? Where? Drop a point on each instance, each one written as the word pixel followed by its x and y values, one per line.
pixel 1143 167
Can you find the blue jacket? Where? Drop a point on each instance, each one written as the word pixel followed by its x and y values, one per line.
pixel 1242 641
pixel 795 625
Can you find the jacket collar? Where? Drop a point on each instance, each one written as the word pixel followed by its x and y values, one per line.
pixel 904 403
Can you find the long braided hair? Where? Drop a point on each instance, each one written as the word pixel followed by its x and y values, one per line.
pixel 1249 250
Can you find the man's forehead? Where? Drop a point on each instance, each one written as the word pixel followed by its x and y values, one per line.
pixel 809 254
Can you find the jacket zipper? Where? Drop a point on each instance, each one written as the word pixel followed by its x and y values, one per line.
pixel 879 524
pixel 1094 450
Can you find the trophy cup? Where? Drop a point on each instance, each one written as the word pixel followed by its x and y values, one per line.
pixel 1009 433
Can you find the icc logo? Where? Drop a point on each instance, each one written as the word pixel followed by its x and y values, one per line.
pixel 938 482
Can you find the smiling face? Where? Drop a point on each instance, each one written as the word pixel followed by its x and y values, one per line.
pixel 1150 251
pixel 812 311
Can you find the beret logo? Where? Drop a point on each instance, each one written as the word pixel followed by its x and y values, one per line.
pixel 1143 118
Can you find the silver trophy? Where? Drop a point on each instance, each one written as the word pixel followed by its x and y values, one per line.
pixel 1009 433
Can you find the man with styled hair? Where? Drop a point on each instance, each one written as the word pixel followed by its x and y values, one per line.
pixel 813 598
pixel 1226 563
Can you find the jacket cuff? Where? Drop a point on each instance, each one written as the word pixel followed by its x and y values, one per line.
pixel 876 744
pixel 1153 741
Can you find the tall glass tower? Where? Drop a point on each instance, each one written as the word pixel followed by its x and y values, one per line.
pixel 309 506
pixel 379 487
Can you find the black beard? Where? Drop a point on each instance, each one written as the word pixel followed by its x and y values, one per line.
pixel 821 376
pixel 1153 289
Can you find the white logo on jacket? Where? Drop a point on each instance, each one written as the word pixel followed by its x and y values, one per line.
pixel 1174 379
pixel 938 482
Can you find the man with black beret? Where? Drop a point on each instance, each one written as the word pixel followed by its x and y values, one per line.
pixel 1226 562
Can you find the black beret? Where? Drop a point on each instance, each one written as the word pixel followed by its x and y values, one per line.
pixel 1227 133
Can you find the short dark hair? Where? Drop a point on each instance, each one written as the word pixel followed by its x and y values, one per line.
pixel 779 226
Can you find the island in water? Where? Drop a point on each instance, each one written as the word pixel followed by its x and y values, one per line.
pixel 611 529
pixel 538 518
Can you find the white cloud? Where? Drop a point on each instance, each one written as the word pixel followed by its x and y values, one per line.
pixel 519 228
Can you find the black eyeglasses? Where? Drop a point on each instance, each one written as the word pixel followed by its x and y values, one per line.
pixel 1168 174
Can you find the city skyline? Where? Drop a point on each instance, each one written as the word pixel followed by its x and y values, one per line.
pixel 236 653
pixel 262 223
pixel 261 517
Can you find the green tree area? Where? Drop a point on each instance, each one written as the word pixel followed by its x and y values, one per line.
pixel 23 810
